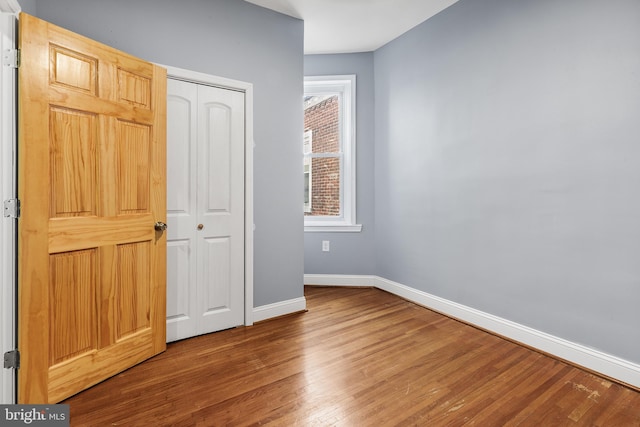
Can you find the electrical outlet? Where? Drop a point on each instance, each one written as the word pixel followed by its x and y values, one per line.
pixel 325 246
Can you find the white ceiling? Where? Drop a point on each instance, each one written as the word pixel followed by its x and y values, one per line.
pixel 342 26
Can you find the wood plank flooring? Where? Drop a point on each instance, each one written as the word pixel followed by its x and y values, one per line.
pixel 358 357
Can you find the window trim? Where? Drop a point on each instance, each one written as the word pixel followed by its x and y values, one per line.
pixel 345 85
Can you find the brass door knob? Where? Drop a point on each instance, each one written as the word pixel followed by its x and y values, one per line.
pixel 160 226
pixel 200 226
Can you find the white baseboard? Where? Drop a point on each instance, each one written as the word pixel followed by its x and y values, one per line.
pixel 281 308
pixel 594 360
pixel 340 280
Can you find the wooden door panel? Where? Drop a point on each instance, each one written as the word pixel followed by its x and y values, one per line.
pixel 134 88
pixel 73 162
pixel 73 69
pixel 92 183
pixel 133 161
pixel 73 318
pixel 133 294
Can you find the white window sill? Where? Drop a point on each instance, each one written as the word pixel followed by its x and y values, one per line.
pixel 333 228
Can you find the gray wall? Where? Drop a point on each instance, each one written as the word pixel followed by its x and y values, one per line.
pixel 351 253
pixel 28 6
pixel 508 164
pixel 233 39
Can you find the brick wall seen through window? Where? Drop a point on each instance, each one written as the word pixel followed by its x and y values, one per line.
pixel 323 120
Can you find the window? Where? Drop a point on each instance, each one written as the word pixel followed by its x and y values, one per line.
pixel 329 154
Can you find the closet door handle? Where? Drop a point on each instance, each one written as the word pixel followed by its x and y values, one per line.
pixel 160 226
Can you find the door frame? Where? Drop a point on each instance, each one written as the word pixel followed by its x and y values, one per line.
pixel 247 89
pixel 9 10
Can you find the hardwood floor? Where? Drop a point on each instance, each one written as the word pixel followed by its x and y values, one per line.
pixel 358 357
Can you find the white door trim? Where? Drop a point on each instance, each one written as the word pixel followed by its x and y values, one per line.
pixel 10 6
pixel 247 89
pixel 8 111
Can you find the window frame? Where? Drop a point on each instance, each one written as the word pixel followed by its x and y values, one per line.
pixel 345 86
pixel 308 140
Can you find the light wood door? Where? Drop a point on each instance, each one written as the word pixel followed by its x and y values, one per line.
pixel 205 200
pixel 91 178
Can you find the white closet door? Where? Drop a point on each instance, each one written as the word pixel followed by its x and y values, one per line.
pixel 220 208
pixel 205 202
pixel 182 137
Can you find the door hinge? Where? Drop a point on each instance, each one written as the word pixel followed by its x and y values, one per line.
pixel 12 359
pixel 11 58
pixel 12 208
